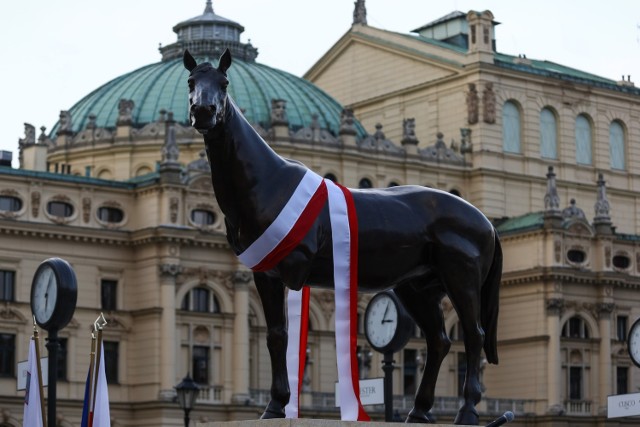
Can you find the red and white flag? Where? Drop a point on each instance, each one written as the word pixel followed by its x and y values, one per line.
pixel 96 406
pixel 32 409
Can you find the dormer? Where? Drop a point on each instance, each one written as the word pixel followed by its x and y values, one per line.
pixel 473 32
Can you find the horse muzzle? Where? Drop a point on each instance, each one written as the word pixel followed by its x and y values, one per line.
pixel 203 117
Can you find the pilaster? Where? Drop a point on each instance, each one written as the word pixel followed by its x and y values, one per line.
pixel 241 280
pixel 168 273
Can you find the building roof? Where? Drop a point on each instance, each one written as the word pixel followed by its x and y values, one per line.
pixel 162 86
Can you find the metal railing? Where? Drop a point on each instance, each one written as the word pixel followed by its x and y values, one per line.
pixel 210 394
pixel 578 407
pixel 326 402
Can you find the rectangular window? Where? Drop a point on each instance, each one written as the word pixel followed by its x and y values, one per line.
pixel 111 361
pixel 7 285
pixel 575 383
pixel 7 355
pixel 62 359
pixel 200 358
pixel 108 290
pixel 410 372
pixel 622 380
pixel 621 328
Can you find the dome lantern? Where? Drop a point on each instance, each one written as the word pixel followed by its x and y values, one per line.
pixel 209 35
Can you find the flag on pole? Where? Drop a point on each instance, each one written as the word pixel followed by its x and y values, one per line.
pixel 95 410
pixel 101 415
pixel 32 408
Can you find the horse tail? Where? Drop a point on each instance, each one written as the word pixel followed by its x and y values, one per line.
pixel 489 304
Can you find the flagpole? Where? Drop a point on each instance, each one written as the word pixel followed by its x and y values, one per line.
pixel 92 359
pixel 36 341
pixel 97 326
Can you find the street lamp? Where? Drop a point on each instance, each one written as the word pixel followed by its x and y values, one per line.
pixel 187 392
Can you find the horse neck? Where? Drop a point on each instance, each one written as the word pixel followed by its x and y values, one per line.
pixel 249 178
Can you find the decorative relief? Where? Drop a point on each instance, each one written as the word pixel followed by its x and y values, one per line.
pixel 170 269
pixel 35 203
pixel 555 305
pixel 279 112
pixel 86 209
pixel 125 110
pixel 174 203
pixel 489 104
pixel 472 104
pixel 557 249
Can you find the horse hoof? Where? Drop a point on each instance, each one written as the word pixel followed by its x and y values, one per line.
pixel 272 411
pixel 421 417
pixel 469 417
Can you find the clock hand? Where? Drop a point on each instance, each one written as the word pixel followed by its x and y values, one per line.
pixel 387 321
pixel 386 310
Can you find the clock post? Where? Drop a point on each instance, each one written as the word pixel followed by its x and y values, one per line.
pixel 387 367
pixel 52 347
pixel 54 292
pixel 388 327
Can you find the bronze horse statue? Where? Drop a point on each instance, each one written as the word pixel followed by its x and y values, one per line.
pixel 421 242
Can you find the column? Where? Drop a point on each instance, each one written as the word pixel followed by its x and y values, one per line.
pixel 241 280
pixel 605 368
pixel 554 364
pixel 167 335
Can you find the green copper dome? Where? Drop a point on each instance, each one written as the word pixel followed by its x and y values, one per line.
pixel 163 85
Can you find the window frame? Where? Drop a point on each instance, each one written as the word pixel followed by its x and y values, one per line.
pixel 511 127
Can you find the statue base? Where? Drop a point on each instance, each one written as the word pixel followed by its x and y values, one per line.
pixel 307 423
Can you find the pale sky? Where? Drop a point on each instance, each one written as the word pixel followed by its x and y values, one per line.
pixel 56 52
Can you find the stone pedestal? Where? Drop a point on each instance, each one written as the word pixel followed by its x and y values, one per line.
pixel 307 423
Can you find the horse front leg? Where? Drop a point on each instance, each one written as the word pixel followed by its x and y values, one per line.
pixel 272 294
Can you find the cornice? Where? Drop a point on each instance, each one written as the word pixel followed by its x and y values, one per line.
pixel 569 275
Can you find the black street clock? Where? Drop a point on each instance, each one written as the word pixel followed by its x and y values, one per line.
pixel 387 325
pixel 54 292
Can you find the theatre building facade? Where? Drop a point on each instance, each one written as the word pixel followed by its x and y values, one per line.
pixel 121 188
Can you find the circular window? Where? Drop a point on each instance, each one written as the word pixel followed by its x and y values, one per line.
pixel 203 217
pixel 621 262
pixel 10 204
pixel 110 214
pixel 60 209
pixel 576 256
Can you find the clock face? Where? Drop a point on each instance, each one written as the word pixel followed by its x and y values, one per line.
pixel 54 292
pixel 45 294
pixel 381 320
pixel 633 343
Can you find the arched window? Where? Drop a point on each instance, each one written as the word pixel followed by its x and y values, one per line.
pixel 365 183
pixel 201 300
pixel 548 134
pixel 331 177
pixel 616 145
pixel 575 327
pixel 583 140
pixel 511 128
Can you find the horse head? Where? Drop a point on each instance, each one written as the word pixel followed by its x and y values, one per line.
pixel 207 91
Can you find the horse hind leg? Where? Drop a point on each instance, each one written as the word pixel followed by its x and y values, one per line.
pixel 426 310
pixel 462 283
pixel 272 296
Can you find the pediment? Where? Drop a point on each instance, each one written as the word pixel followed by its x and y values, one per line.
pixel 362 65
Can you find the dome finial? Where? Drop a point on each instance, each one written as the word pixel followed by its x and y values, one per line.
pixel 209 7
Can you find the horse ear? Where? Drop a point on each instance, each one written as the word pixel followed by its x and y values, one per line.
pixel 188 61
pixel 225 62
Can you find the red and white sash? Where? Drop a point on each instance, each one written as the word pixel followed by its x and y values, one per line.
pixel 284 234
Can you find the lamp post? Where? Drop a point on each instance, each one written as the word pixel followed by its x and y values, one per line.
pixel 187 392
